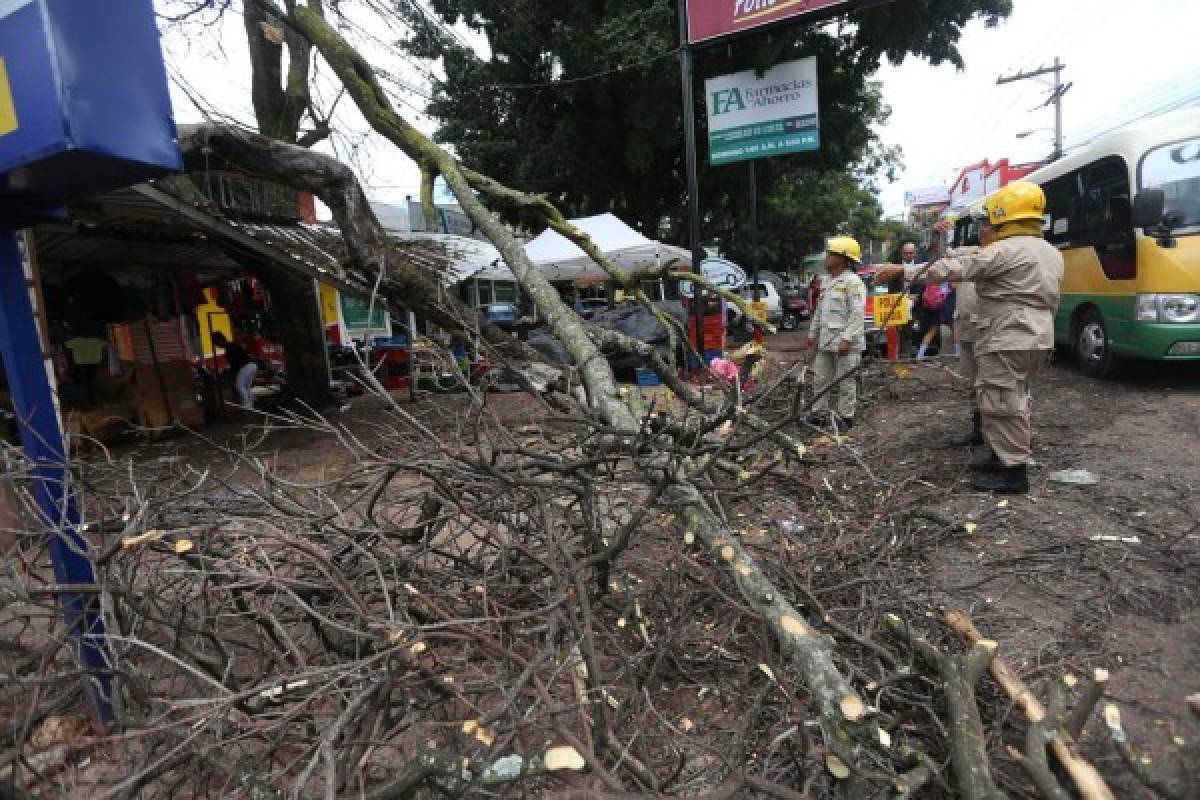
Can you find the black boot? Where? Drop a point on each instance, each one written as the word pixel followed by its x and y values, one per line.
pixel 987 463
pixel 1007 480
pixel 972 437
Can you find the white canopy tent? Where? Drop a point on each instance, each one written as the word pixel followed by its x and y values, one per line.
pixel 560 259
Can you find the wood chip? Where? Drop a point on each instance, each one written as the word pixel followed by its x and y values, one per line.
pixel 1112 717
pixel 837 768
pixel 852 707
pixel 793 625
pixel 184 546
pixel 559 758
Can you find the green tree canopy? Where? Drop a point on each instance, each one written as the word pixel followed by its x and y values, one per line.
pixel 580 101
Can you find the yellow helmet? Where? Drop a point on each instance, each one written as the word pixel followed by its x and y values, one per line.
pixel 845 246
pixel 1017 201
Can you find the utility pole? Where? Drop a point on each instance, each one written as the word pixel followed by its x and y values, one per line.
pixel 1056 96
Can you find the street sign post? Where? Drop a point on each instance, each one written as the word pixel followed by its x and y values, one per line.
pixel 84 109
pixel 703 23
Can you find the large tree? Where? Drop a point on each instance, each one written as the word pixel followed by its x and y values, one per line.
pixel 580 101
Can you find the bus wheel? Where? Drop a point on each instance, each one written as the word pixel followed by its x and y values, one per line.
pixel 1095 357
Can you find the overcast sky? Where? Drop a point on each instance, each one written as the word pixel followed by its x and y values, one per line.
pixel 1124 58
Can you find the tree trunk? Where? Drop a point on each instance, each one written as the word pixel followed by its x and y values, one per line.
pixel 301 331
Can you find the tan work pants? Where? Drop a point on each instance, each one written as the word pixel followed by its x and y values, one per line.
pixel 828 367
pixel 1003 382
pixel 968 367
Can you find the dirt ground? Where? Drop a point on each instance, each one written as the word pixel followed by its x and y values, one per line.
pixel 1067 579
pixel 1034 573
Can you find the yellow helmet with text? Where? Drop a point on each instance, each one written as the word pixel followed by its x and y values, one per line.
pixel 1017 201
pixel 845 246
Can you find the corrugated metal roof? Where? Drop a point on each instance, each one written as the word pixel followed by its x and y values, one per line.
pixel 108 246
pixel 450 259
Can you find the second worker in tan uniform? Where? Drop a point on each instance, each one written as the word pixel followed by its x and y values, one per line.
pixel 1018 279
pixel 967 332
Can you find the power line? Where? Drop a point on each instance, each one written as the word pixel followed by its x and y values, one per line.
pixel 1192 98
pixel 1055 98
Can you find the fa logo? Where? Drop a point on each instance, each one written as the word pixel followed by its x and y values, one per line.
pixel 8 110
pixel 727 100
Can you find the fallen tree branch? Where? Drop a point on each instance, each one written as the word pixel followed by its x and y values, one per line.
pixel 959 674
pixel 1141 766
pixel 1087 779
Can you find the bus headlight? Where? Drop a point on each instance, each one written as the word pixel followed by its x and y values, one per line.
pixel 1147 308
pixel 1177 308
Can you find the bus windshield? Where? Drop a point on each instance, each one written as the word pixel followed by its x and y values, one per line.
pixel 1175 168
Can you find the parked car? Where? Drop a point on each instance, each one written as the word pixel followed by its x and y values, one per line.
pixel 767 293
pixel 505 316
pixel 588 307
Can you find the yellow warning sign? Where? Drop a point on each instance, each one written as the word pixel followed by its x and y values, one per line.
pixel 8 110
pixel 891 310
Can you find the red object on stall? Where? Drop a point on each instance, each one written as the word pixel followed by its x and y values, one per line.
pixel 268 352
pixel 714 332
pixel 392 367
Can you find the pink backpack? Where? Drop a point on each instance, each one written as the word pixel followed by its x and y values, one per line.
pixel 934 295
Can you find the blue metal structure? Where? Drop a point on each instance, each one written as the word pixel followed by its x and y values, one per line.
pixel 84 108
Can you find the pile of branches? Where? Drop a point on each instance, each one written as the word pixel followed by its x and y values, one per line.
pixel 596 601
pixel 491 602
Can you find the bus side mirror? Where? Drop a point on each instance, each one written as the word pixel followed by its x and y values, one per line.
pixel 1148 208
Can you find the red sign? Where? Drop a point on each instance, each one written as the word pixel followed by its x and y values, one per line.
pixel 709 19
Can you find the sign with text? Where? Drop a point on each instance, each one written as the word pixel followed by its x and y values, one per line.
pixel 721 273
pixel 757 116
pixel 84 106
pixel 891 310
pixel 711 19
pixel 927 196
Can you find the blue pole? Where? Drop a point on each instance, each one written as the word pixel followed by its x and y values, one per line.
pixel 44 445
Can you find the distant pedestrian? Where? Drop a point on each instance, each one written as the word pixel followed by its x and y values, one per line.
pixel 241 367
pixel 906 256
pixel 933 297
pixel 87 354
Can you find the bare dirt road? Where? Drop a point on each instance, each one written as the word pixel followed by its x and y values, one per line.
pixel 1068 578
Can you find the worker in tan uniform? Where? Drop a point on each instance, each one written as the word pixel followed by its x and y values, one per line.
pixel 967 330
pixel 1018 279
pixel 837 335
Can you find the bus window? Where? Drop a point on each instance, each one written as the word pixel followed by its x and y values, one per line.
pixel 1107 217
pixel 1062 195
pixel 1175 168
